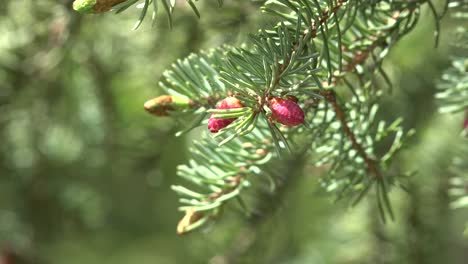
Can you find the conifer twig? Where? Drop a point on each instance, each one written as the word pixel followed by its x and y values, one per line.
pixel 306 37
pixel 330 96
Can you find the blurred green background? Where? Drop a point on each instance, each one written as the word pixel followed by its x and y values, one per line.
pixel 85 173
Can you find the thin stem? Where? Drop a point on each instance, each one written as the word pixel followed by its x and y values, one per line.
pixel 330 96
pixel 320 21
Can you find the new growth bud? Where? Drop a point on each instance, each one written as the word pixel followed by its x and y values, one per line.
pixel 95 6
pixel 190 218
pixel 161 105
pixel 286 111
pixel 214 125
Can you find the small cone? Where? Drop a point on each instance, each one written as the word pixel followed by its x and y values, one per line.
pixel 214 125
pixel 286 111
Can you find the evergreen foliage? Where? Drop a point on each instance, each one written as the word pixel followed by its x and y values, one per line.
pixel 326 53
pixel 86 173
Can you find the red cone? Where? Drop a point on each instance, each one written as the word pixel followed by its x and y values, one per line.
pixel 286 111
pixel 214 125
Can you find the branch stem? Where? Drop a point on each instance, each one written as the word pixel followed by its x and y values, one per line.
pixel 330 96
pixel 320 21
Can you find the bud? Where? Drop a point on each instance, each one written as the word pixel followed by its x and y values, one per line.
pixel 95 6
pixel 286 111
pixel 190 218
pixel 160 105
pixel 230 102
pixel 214 125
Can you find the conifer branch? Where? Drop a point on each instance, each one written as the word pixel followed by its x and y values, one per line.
pixel 317 48
pixel 306 36
pixel 240 68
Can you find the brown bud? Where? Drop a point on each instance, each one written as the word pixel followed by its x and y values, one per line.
pixel 161 105
pixel 190 218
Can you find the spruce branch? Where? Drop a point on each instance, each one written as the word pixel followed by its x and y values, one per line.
pixel 289 60
pixel 222 180
pixel 317 72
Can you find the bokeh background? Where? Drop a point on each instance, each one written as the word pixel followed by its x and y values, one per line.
pixel 85 173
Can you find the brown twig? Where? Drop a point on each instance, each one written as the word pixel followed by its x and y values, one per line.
pixel 359 57
pixel 330 96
